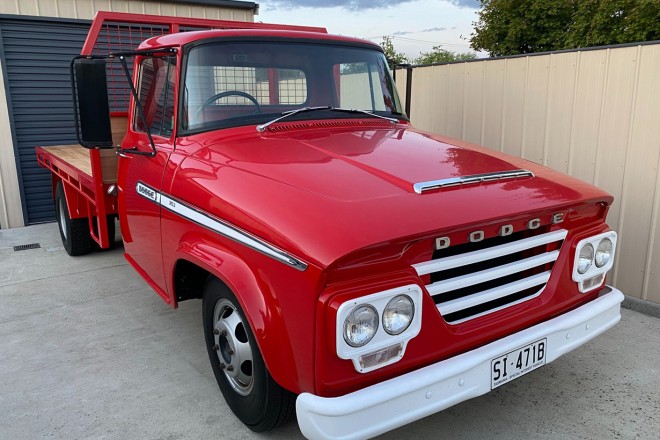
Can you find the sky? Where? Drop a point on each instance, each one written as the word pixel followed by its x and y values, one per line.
pixel 414 25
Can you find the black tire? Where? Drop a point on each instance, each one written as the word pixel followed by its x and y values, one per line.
pixel 74 232
pixel 255 398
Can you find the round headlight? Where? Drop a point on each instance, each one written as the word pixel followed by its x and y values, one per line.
pixel 603 252
pixel 398 314
pixel 360 325
pixel 585 258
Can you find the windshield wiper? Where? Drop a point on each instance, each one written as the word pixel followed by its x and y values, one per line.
pixel 354 110
pixel 262 127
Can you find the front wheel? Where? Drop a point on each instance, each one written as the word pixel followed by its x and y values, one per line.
pixel 250 391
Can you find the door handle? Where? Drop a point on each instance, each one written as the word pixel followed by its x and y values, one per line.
pixel 120 154
pixel 128 152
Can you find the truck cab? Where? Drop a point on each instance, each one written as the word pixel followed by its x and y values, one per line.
pixel 210 98
pixel 349 265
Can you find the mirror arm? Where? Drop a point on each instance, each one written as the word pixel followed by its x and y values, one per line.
pixel 140 110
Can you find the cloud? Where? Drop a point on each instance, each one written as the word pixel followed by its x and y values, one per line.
pixel 356 5
pixel 472 4
pixel 434 29
pixel 353 5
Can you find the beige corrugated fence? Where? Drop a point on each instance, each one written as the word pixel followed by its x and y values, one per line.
pixel 594 114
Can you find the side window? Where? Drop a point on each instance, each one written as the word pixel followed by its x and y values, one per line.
pixel 359 87
pixel 156 93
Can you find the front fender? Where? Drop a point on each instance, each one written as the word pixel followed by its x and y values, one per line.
pixel 278 301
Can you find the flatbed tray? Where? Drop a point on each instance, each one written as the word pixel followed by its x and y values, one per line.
pixel 78 158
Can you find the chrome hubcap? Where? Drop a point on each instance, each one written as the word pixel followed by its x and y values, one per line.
pixel 232 347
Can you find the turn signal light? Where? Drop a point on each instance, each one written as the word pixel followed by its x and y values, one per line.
pixel 381 356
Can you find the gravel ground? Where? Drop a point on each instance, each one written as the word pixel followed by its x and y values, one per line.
pixel 89 351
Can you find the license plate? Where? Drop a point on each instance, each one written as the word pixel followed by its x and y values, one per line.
pixel 518 362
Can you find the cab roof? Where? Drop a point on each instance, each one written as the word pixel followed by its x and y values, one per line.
pixel 184 38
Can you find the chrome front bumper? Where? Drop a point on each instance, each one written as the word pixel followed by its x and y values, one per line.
pixel 396 402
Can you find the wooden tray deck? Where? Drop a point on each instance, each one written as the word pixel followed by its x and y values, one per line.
pixel 78 157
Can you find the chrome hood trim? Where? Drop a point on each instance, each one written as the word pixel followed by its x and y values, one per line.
pixel 421 187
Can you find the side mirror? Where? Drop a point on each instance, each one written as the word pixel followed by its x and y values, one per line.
pixel 90 102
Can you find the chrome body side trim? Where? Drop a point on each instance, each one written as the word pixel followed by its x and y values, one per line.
pixel 222 227
pixel 421 187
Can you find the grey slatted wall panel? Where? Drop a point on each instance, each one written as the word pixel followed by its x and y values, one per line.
pixel 37 56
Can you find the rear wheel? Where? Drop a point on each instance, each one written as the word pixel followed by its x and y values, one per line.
pixel 74 232
pixel 250 391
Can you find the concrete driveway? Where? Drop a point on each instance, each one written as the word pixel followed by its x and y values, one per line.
pixel 87 350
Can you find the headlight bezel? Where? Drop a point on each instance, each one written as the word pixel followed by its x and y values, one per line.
pixel 381 340
pixel 586 280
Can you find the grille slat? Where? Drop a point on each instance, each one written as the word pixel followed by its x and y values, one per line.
pixel 469 283
pixel 488 253
pixel 493 306
pixel 492 294
pixel 490 274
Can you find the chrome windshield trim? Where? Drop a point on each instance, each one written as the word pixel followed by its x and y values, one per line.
pixel 467 180
pixel 217 225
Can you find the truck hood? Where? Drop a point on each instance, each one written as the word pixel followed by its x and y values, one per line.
pixel 321 194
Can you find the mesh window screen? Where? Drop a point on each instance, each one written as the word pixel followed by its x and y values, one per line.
pixel 291 85
pixel 124 37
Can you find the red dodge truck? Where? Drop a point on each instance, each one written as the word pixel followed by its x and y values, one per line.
pixel 359 271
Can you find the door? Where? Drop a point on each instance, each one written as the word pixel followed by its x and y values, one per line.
pixel 140 175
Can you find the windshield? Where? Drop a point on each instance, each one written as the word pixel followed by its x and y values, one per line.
pixel 231 84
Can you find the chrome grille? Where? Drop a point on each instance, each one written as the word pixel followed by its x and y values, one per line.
pixel 477 282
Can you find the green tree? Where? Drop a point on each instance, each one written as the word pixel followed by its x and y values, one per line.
pixel 598 22
pixel 509 27
pixel 394 58
pixel 440 55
